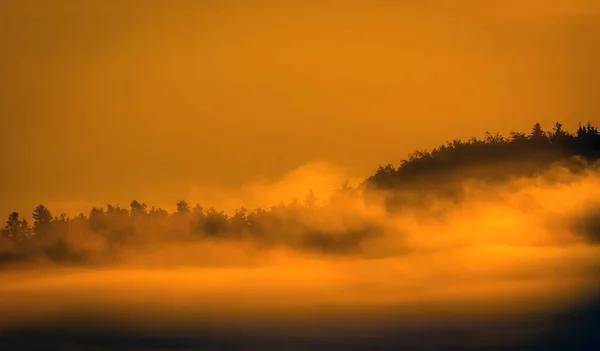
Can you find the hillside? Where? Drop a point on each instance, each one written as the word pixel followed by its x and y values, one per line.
pixel 494 157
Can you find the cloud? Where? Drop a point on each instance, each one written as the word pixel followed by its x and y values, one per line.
pixel 322 178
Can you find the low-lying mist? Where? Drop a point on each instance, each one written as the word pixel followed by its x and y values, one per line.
pixel 493 266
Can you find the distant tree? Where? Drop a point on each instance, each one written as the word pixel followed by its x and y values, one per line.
pixel 13 226
pixel 586 130
pixel 560 138
pixel 182 207
pixel 198 211
pixel 473 141
pixel 215 221
pixel 96 219
pixel 42 218
pixel 518 137
pixel 588 140
pixel 557 130
pixel 24 230
pixel 416 155
pixel 122 211
pixel 257 220
pixel 495 138
pixel 239 221
pixel 158 212
pixel 137 208
pixel 537 132
pixel 60 225
pixel 63 218
pixel 593 131
pixel 538 136
pixel 389 168
pixel 198 219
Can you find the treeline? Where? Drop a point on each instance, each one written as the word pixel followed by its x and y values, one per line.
pixel 494 157
pixel 98 235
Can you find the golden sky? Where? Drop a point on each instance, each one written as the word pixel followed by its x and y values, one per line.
pixel 107 101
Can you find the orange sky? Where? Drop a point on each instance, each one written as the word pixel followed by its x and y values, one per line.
pixel 107 101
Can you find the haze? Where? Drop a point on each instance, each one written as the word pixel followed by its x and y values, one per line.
pixel 251 104
pixel 498 268
pixel 106 101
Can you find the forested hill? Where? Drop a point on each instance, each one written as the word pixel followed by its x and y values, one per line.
pixel 494 157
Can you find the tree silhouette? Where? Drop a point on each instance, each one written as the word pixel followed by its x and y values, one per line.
pixel 182 207
pixel 137 208
pixel 24 230
pixel 14 226
pixel 96 219
pixel 424 174
pixel 215 222
pixel 42 219
pixel 533 151
pixel 537 133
